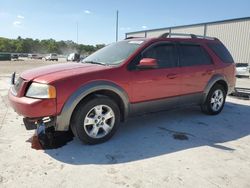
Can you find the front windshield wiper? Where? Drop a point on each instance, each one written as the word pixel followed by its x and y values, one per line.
pixel 95 62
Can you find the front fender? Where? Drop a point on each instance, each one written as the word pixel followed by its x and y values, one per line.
pixel 63 120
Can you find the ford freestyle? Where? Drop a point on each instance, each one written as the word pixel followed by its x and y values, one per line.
pixel 136 75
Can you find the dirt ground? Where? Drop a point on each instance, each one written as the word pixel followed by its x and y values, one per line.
pixel 213 151
pixel 18 66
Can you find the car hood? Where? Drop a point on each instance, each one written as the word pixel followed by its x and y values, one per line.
pixel 51 73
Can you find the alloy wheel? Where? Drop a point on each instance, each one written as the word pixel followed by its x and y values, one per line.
pixel 217 100
pixel 99 121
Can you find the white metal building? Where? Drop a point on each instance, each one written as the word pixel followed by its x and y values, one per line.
pixel 234 33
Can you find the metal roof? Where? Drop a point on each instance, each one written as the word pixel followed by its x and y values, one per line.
pixel 198 24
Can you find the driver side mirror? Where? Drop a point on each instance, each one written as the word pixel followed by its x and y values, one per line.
pixel 147 63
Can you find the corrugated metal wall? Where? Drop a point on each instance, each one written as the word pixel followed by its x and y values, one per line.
pixel 157 33
pixel 137 34
pixel 197 30
pixel 234 34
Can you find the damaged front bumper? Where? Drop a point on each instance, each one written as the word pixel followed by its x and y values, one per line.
pixel 47 136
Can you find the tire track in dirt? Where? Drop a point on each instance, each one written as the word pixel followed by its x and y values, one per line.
pixel 3 100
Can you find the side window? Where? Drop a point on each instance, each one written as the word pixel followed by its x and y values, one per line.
pixel 193 55
pixel 163 53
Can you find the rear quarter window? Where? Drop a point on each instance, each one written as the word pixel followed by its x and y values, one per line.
pixel 193 55
pixel 221 51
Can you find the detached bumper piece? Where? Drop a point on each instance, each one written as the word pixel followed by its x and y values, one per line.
pixel 33 123
pixel 45 135
pixel 45 131
pixel 48 137
pixel 29 124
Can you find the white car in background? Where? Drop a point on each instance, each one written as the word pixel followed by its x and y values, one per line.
pixel 242 69
pixel 51 57
pixel 73 57
pixel 35 56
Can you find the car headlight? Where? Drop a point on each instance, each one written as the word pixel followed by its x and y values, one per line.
pixel 41 91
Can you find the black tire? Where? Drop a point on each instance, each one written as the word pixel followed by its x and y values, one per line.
pixel 82 111
pixel 207 106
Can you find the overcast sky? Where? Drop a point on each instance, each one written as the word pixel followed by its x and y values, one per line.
pixel 57 19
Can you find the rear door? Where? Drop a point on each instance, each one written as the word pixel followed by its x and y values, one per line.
pixel 196 68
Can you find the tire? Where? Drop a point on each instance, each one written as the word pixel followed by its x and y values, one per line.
pixel 96 120
pixel 215 100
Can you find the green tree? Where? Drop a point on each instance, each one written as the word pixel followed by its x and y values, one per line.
pixel 29 45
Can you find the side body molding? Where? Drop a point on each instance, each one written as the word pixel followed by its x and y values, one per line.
pixel 212 81
pixel 63 120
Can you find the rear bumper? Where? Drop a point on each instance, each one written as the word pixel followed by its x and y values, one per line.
pixel 32 108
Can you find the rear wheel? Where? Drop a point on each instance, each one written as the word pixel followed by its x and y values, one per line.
pixel 96 120
pixel 215 100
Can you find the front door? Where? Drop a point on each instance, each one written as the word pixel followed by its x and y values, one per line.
pixel 156 83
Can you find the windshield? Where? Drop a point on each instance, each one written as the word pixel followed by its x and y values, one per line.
pixel 113 54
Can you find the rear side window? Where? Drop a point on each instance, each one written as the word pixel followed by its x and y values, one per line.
pixel 193 55
pixel 221 51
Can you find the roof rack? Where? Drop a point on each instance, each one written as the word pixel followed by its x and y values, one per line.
pixel 131 38
pixel 193 36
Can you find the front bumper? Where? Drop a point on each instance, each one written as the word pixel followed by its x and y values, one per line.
pixel 31 107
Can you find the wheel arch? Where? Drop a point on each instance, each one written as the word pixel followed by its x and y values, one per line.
pixel 216 79
pixel 87 91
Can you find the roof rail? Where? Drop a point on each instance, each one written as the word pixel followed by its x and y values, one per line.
pixel 169 35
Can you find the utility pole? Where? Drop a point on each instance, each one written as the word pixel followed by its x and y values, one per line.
pixel 117 17
pixel 77 32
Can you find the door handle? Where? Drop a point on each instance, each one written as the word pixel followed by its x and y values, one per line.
pixel 171 76
pixel 210 71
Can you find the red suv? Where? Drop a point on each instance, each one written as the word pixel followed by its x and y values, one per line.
pixel 136 75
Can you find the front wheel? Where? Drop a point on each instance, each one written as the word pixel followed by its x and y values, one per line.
pixel 215 100
pixel 96 120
